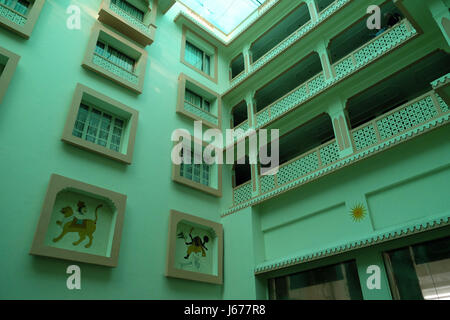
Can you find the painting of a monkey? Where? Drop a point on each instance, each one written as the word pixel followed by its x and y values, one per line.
pixel 196 245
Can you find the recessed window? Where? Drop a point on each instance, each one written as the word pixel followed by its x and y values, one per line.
pixel 116 58
pixel 20 6
pixel 8 64
pixel 196 172
pixel 133 18
pixel 129 9
pixel 100 124
pixel 199 54
pixel 99 127
pixel 20 16
pixel 198 102
pixel 198 58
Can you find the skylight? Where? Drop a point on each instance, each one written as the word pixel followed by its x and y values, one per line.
pixel 223 14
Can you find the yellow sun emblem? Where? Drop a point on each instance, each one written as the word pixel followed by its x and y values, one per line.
pixel 358 212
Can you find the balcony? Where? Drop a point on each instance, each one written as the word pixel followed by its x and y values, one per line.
pixel 115 69
pixel 344 68
pixel 405 122
pixel 22 22
pixel 290 40
pixel 12 15
pixel 142 31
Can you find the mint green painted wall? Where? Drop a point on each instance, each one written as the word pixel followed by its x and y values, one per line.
pixel 32 117
pixel 317 215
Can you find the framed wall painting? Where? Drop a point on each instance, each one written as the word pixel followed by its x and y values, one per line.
pixel 80 222
pixel 195 248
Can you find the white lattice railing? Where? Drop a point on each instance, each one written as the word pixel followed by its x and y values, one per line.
pixel 416 116
pixel 399 120
pixel 300 166
pixel 130 19
pixel 355 61
pixel 242 193
pixel 115 69
pixel 205 115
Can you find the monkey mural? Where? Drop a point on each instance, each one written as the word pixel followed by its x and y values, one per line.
pixel 196 245
pixel 84 227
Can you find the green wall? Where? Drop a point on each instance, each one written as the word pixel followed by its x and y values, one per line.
pixel 399 185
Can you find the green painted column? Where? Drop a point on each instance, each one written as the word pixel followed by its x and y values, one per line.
pixel 371 271
pixel 342 133
pixel 440 13
pixel 252 124
pixel 322 51
pixel 247 57
pixel 244 248
pixel 313 11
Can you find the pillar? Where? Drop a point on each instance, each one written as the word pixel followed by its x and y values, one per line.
pixel 322 51
pixel 341 129
pixel 252 125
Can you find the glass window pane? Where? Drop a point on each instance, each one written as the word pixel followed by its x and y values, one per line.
pixel 193 98
pixel 194 55
pixel 207 66
pixel 421 271
pixel 337 282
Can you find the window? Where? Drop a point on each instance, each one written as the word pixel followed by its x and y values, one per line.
pixel 8 64
pixel 133 18
pixel 102 125
pixel 197 100
pixel 20 6
pixel 129 9
pixel 421 271
pixel 337 282
pixel 115 56
pixel 99 127
pixel 196 172
pixel 199 54
pixel 198 58
pixel 20 16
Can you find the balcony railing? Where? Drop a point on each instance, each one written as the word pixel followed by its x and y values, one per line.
pixel 413 118
pixel 242 193
pixel 361 57
pixel 201 113
pixel 115 69
pixel 138 24
pixel 12 15
pixel 291 39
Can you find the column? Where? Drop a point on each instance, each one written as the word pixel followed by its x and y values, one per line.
pixel 247 57
pixel 252 125
pixel 338 117
pixel 322 51
pixel 243 249
pixel 313 10
pixel 442 16
pixel 371 270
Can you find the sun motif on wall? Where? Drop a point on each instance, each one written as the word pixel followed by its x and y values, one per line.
pixel 358 212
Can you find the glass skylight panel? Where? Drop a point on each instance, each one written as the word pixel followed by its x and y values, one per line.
pixel 223 14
